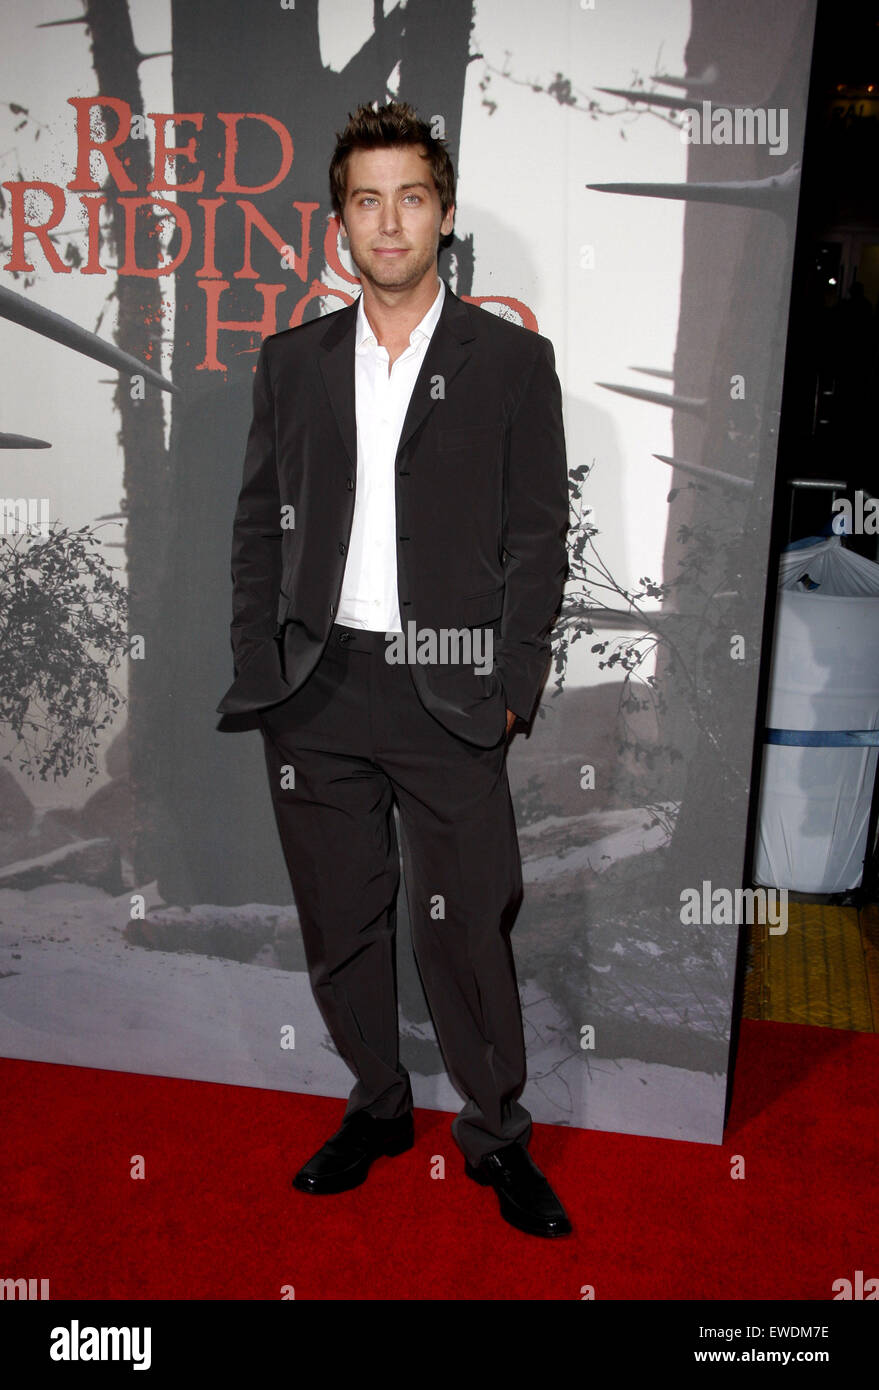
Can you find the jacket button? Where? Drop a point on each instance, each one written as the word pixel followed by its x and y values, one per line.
pixel 341 547
pixel 349 483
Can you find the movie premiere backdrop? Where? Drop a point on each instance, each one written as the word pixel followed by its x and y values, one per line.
pixel 628 186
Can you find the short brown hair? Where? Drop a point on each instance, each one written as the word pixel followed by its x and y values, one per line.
pixel 372 127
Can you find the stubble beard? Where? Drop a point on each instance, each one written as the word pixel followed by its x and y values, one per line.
pixel 401 277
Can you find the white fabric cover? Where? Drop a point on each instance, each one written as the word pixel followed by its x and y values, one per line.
pixel 815 802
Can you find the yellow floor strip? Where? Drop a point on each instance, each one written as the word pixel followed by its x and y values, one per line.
pixel 869 917
pixel 756 995
pixel 824 971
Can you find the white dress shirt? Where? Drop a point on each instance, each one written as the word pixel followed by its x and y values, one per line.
pixel 369 588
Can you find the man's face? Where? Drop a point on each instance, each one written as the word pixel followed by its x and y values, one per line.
pixel 392 216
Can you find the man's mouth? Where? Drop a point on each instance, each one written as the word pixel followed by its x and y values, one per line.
pixel 391 250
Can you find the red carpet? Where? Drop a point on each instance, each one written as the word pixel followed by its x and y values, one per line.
pixel 216 1218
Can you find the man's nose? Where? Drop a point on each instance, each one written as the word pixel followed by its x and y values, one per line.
pixel 390 220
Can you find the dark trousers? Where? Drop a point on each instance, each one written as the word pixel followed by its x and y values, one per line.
pixel 354 738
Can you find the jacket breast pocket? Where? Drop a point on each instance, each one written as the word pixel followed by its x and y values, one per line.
pixel 472 437
pixel 487 607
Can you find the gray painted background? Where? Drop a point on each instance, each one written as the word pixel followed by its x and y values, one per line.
pixel 205 982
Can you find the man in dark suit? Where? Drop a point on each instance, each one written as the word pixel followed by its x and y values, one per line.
pixel 398 560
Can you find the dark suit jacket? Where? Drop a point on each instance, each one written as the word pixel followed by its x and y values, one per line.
pixel 482 511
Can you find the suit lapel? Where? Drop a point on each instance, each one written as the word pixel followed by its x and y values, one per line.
pixel 337 369
pixel 446 354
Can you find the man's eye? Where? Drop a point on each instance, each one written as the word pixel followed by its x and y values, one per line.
pixel 414 197
pixel 364 201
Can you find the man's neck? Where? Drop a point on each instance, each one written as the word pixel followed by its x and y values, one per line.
pixel 392 315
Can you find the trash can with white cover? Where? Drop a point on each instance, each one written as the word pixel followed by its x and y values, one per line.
pixel 822 737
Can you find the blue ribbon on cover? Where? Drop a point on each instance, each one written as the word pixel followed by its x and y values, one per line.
pixel 823 738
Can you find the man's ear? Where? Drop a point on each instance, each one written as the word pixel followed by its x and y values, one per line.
pixel 448 221
pixel 342 228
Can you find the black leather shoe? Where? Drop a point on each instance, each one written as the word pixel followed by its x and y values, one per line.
pixel 344 1160
pixel 526 1199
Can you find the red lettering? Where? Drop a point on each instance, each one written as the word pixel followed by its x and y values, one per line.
pixel 213 323
pixel 93 213
pixel 209 266
pixel 254 218
pixel 82 181
pixel 528 318
pixel 18 261
pixel 165 152
pixel 130 208
pixel 230 183
pixel 317 291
